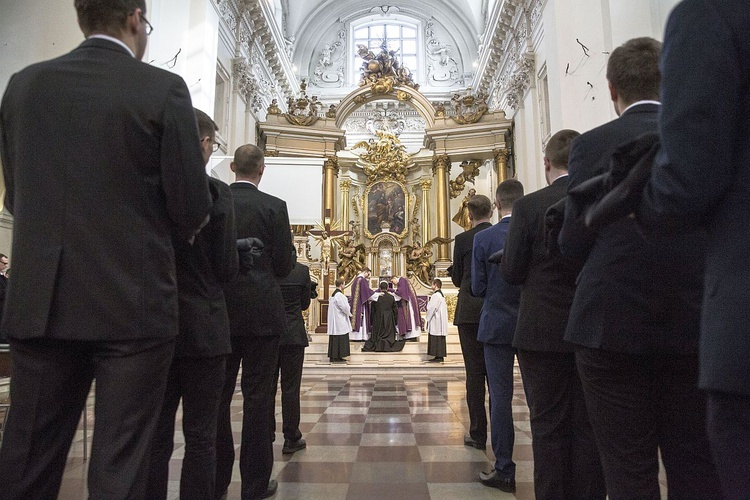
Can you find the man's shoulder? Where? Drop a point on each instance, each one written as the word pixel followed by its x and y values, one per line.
pixel 540 199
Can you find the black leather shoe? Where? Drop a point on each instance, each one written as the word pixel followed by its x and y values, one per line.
pixel 292 446
pixel 435 360
pixel 273 485
pixel 494 480
pixel 469 441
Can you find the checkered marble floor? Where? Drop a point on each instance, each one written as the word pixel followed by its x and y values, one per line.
pixel 391 434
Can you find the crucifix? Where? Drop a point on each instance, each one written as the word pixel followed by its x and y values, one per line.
pixel 326 237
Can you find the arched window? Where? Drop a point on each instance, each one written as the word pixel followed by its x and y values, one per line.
pixel 401 36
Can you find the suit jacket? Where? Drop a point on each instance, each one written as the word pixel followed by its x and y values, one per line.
pixel 468 307
pixel 254 301
pixel 634 295
pixel 708 181
pixel 295 289
pixel 102 164
pixel 202 269
pixel 497 322
pixel 547 279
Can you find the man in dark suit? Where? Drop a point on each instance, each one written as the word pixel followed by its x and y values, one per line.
pixel 3 290
pixel 698 182
pixel 496 326
pixel 198 368
pixel 256 321
pixel 295 289
pixel 102 165
pixel 466 318
pixel 636 313
pixel 384 315
pixel 566 461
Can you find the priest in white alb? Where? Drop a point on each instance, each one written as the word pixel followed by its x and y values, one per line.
pixel 437 323
pixel 339 324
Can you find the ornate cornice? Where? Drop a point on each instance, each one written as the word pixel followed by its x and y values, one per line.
pixel 246 84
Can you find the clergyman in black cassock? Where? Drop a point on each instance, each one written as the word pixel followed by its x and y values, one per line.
pixel 384 314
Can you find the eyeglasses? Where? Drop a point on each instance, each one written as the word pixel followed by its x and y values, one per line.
pixel 214 145
pixel 149 28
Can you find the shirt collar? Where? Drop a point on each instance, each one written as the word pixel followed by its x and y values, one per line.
pixel 113 39
pixel 638 103
pixel 246 182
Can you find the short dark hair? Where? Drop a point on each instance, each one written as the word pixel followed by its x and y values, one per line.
pixel 206 126
pixel 383 285
pixel 558 148
pixel 479 206
pixel 105 16
pixel 508 192
pixel 248 159
pixel 633 70
pixel 437 283
pixel 366 270
pixel 339 282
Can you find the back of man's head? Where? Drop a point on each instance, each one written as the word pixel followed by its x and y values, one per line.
pixel 206 126
pixel 105 16
pixel 508 192
pixel 248 160
pixel 383 286
pixel 558 148
pixel 480 207
pixel 633 70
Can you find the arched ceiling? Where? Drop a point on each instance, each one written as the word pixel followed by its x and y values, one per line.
pixel 309 23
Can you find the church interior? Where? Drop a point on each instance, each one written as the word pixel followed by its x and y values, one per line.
pixel 379 119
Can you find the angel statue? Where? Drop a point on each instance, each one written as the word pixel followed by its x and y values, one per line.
pixel 351 260
pixel 326 243
pixel 419 259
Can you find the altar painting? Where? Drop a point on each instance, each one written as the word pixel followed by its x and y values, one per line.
pixel 386 208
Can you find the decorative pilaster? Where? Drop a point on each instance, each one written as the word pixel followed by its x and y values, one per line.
pixel 501 163
pixel 330 172
pixel 344 185
pixel 426 184
pixel 441 167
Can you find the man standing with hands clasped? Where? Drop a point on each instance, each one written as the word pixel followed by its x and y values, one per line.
pixel 93 142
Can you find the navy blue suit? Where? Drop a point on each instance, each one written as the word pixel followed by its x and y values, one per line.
pixel 566 462
pixel 707 182
pixel 496 326
pixel 636 314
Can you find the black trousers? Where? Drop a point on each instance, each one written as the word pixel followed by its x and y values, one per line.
pixel 50 384
pixel 566 460
pixel 729 432
pixel 640 404
pixel 198 382
pixel 476 377
pixel 259 357
pixel 291 358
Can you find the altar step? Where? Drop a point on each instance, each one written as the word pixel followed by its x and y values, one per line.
pixel 413 356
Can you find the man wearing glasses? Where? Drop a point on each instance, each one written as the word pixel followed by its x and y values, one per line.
pixel 102 164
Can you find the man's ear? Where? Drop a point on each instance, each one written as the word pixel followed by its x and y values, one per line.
pixel 547 164
pixel 262 169
pixel 612 92
pixel 231 166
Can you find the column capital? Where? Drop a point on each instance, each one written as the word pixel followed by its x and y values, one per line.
pixel 441 162
pixel 332 163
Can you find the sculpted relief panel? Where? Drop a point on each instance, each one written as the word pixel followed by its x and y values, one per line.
pixel 329 68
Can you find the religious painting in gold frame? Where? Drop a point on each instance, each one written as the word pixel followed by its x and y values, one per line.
pixel 386 203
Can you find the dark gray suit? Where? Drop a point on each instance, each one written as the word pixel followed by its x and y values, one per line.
pixel 706 86
pixel 256 321
pixel 566 461
pixel 102 165
pixel 636 313
pixel 467 316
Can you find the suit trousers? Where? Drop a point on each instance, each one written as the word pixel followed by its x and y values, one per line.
pixel 49 388
pixel 640 404
pixel 729 432
pixel 259 357
pixel 566 461
pixel 476 375
pixel 498 358
pixel 198 381
pixel 291 358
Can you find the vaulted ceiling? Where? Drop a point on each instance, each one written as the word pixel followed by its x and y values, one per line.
pixel 310 24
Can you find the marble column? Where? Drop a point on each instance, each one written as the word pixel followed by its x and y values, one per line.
pixel 344 185
pixel 425 183
pixel 441 167
pixel 330 172
pixel 501 163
